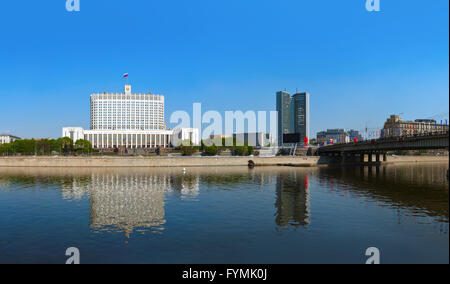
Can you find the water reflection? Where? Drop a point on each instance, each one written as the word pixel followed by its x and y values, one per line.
pixel 134 200
pixel 416 190
pixel 292 199
pixel 127 202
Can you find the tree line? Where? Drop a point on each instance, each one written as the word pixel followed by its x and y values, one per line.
pixel 66 146
pixel 61 146
pixel 209 148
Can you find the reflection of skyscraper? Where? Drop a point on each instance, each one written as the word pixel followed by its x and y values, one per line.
pixel 292 203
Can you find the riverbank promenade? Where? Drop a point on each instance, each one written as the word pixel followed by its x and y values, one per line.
pixel 105 161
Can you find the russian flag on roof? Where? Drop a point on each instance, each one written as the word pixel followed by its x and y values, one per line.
pixel 125 75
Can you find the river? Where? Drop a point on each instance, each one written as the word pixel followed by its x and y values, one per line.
pixel 225 215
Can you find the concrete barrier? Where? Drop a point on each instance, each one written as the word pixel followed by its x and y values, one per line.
pixel 152 161
pixel 118 162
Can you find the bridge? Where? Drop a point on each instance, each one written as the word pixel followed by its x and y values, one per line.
pixel 356 151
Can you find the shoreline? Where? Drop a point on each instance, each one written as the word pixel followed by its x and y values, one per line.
pixel 220 161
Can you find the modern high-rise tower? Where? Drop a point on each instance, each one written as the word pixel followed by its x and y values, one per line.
pixel 293 115
pixel 300 102
pixel 284 115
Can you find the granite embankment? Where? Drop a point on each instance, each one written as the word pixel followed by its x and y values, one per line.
pixel 152 161
pixel 187 161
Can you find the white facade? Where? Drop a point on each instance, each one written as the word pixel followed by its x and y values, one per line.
pixel 130 120
pixel 127 111
pixel 6 138
pixel 107 139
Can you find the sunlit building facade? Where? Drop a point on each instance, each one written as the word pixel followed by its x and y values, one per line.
pixel 395 127
pixel 131 121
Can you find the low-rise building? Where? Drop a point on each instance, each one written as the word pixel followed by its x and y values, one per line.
pixel 255 139
pixel 7 138
pixel 337 135
pixel 395 127
pixel 354 134
pixel 109 139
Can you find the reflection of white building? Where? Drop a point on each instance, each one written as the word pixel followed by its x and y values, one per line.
pixel 185 185
pixel 130 120
pixel 127 202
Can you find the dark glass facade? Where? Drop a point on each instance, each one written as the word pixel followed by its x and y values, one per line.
pixel 284 114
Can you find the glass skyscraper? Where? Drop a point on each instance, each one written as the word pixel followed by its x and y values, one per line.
pixel 284 110
pixel 293 115
pixel 300 103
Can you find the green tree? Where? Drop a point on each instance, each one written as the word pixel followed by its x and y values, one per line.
pixel 187 148
pixel 210 150
pixel 66 145
pixel 6 149
pixel 83 146
pixel 44 147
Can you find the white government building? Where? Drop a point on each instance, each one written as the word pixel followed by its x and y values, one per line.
pixel 7 138
pixel 130 120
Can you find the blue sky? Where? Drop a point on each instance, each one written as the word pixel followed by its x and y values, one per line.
pixel 358 66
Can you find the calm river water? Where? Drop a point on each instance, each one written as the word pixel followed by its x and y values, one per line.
pixel 225 215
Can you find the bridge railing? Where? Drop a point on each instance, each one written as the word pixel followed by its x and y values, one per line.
pixel 393 139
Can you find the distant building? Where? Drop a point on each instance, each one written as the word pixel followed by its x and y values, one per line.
pixel 131 121
pixel 293 115
pixel 395 127
pixel 257 140
pixel 337 135
pixel 7 138
pixel 354 134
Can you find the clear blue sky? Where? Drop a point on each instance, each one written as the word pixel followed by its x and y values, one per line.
pixel 229 55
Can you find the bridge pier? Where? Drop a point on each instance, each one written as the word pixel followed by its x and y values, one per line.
pixel 377 157
pixel 384 157
pixel 370 157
